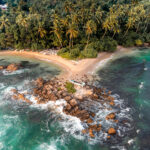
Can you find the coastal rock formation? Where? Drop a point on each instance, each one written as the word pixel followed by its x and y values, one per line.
pixel 11 67
pixel 55 89
pixel 19 96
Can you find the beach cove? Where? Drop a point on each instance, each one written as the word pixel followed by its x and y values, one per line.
pixel 76 71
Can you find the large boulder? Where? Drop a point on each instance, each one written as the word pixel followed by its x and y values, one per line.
pixel 12 67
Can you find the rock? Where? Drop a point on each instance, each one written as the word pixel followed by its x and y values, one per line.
pixel 89 92
pixel 39 82
pixel 111 131
pixel 68 107
pixel 52 97
pixel 91 133
pixel 95 96
pixel 67 98
pixel 21 96
pixel 112 103
pixel 108 137
pixel 2 67
pixel 92 114
pixel 73 102
pixel 89 121
pixel 110 116
pixel 110 98
pixel 12 67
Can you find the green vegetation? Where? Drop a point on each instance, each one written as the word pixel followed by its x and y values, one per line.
pixel 78 28
pixel 70 87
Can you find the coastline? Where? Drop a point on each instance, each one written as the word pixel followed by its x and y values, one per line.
pixel 71 69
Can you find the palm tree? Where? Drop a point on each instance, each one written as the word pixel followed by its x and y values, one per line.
pixel 3 22
pixel 22 20
pixel 73 33
pixel 90 29
pixel 42 32
pixel 56 29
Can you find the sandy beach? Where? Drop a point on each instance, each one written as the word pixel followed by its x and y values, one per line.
pixel 71 69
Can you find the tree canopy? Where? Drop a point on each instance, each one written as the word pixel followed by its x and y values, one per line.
pixel 42 24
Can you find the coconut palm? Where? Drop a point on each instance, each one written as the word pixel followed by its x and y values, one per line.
pixel 91 28
pixel 3 22
pixel 22 20
pixel 73 33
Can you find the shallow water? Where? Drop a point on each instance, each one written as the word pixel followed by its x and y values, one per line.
pixel 42 127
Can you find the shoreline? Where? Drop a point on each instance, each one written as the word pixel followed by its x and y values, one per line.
pixel 71 69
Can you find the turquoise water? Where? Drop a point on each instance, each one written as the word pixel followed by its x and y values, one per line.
pixel 24 127
pixel 129 76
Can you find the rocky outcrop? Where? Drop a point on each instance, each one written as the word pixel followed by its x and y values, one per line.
pixel 12 67
pixel 53 90
pixel 19 96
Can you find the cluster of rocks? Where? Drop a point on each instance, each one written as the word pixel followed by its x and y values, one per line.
pixel 53 90
pixel 11 67
pixel 19 96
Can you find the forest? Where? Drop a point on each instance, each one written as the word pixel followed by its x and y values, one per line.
pixel 79 29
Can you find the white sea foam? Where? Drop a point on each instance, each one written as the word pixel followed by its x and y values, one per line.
pixel 145 69
pixel 141 85
pixel 5 72
pixel 131 141
pixel 1 145
pixel 102 63
pixel 2 86
pixel 119 147
pixel 45 146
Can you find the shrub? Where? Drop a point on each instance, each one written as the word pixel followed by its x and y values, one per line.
pixel 146 37
pixel 139 42
pixel 88 53
pixel 70 87
pixel 96 46
pixel 65 55
pixel 63 50
pixel 108 44
pixel 74 53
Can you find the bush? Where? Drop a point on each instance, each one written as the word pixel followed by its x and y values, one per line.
pixel 130 39
pixel 108 44
pixel 63 50
pixel 65 55
pixel 70 87
pixel 74 53
pixel 146 37
pixel 139 42
pixel 96 46
pixel 88 53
